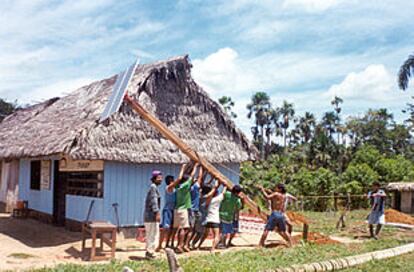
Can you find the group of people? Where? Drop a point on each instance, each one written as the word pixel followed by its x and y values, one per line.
pixel 193 208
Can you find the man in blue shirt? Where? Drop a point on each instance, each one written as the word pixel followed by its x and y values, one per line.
pixel 167 215
pixel 376 217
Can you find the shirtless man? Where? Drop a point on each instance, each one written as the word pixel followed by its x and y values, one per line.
pixel 277 217
pixel 289 198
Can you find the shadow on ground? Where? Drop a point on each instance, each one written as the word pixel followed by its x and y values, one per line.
pixel 36 234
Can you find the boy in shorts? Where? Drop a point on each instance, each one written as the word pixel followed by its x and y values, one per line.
pixel 167 214
pixel 277 218
pixel 228 207
pixel 212 220
pixel 182 204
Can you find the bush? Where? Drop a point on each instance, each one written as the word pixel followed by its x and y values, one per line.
pixel 367 154
pixel 394 170
pixel 362 173
pixel 321 182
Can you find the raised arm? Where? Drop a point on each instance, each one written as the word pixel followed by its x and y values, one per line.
pixel 193 173
pixel 269 196
pixel 173 184
pixel 201 176
pixel 213 191
pixel 291 197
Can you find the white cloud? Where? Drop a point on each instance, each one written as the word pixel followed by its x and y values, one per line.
pixel 375 83
pixel 49 47
pixel 362 86
pixel 311 5
pixel 222 72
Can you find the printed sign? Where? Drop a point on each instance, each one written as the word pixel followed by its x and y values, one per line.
pixel 68 165
pixel 45 170
pixel 251 224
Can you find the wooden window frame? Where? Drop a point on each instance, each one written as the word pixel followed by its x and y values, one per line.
pixel 35 177
pixel 79 184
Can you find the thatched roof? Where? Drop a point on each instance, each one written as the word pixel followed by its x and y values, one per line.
pixel 400 186
pixel 68 125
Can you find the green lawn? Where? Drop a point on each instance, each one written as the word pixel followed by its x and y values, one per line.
pixel 404 263
pixel 248 260
pixel 261 259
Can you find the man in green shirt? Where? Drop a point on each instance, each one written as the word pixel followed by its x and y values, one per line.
pixel 228 208
pixel 182 204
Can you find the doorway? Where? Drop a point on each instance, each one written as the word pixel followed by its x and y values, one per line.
pixel 59 196
pixel 397 196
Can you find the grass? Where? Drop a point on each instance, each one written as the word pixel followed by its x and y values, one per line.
pixel 21 256
pixel 262 259
pixel 246 260
pixel 404 263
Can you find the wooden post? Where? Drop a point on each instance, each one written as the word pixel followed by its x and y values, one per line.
pixel 173 263
pixel 305 232
pixel 167 133
pixel 336 202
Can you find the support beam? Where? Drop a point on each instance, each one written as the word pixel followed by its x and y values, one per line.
pixel 167 133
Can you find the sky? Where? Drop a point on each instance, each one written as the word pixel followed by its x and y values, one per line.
pixel 302 51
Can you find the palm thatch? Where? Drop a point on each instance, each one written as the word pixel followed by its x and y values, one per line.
pixel 68 125
pixel 400 186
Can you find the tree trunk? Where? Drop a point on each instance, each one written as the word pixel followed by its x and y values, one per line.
pixel 262 143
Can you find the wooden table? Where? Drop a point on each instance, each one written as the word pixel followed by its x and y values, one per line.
pixel 98 230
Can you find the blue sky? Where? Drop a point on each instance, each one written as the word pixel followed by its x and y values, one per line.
pixel 303 51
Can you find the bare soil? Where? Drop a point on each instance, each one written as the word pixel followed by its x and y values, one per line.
pixel 26 244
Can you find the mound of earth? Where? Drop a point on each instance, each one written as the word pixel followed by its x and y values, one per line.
pixel 394 216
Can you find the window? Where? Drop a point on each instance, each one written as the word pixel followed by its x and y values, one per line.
pixel 35 175
pixel 85 184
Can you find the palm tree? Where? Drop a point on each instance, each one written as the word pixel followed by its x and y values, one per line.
pixel 260 107
pixel 7 108
pixel 306 125
pixel 227 103
pixel 329 121
pixel 336 101
pixel 286 112
pixel 405 72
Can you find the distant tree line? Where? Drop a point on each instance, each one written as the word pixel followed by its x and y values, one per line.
pixel 7 108
pixel 330 155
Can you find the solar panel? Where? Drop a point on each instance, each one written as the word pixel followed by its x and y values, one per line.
pixel 118 92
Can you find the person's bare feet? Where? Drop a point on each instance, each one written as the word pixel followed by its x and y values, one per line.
pixel 186 249
pixel 179 250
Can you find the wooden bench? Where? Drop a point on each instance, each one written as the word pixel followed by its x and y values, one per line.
pixel 98 230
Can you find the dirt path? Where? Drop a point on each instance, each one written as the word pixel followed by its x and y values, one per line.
pixel 27 244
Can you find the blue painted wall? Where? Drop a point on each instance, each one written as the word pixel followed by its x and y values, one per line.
pixel 41 200
pixel 127 185
pixel 77 208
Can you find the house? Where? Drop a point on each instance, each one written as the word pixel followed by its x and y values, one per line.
pixel 402 196
pixel 66 158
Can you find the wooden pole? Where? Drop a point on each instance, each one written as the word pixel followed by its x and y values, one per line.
pixel 167 133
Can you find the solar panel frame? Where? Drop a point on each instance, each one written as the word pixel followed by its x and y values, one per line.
pixel 118 92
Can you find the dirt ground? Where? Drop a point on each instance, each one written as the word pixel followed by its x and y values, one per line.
pixel 27 243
